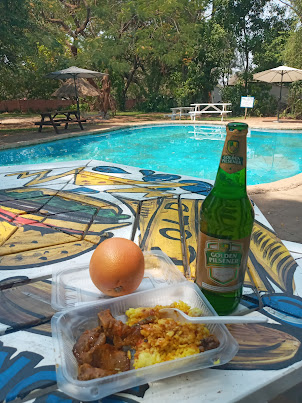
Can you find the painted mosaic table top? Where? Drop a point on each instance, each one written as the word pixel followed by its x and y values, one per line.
pixel 54 216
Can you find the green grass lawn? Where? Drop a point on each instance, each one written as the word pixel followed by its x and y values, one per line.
pixel 5 115
pixel 15 130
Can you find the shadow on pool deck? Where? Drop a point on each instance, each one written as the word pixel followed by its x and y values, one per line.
pixel 280 202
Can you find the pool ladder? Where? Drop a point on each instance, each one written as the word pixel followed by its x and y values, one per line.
pixel 208 133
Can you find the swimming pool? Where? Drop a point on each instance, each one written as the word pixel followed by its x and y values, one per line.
pixel 180 149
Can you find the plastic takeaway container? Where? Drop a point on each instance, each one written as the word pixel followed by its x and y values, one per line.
pixel 68 325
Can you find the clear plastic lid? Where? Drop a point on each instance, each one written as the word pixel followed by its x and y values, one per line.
pixel 71 287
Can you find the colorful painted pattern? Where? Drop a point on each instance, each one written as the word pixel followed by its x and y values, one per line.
pixel 57 214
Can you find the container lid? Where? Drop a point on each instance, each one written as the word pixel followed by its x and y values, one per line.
pixel 71 287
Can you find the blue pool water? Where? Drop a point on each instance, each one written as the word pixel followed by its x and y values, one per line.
pixel 180 149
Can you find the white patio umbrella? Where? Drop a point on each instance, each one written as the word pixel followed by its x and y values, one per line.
pixel 75 73
pixel 281 74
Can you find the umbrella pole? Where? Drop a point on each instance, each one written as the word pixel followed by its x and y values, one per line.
pixel 279 101
pixel 77 96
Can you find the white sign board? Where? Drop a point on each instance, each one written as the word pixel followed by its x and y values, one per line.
pixel 247 102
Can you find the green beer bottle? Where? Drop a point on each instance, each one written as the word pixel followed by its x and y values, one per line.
pixel 226 224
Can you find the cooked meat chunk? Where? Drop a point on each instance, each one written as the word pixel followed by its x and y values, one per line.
pixel 106 319
pixel 117 332
pixel 130 337
pixel 87 340
pixel 100 340
pixel 87 372
pixel 110 358
pixel 148 319
pixel 209 343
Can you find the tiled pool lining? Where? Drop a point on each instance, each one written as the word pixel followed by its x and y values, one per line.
pixel 169 148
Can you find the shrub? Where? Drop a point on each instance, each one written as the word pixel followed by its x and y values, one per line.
pixel 294 100
pixel 156 103
pixel 233 95
pixel 264 105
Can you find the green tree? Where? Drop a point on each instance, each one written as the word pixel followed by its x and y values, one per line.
pixel 41 36
pixel 210 57
pixel 295 6
pixel 15 24
pixel 260 29
pixel 160 52
pixel 275 33
pixel 144 42
pixel 27 52
pixel 73 21
pixel 293 49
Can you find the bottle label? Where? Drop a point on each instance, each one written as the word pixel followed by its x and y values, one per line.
pixel 234 151
pixel 221 263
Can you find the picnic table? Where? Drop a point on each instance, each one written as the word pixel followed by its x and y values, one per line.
pixel 209 108
pixel 52 218
pixel 56 118
pixel 180 111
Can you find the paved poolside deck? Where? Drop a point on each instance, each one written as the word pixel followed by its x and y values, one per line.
pixel 280 202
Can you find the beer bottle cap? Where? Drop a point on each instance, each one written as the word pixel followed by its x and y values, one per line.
pixel 237 126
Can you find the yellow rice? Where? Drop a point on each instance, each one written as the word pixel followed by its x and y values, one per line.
pixel 165 339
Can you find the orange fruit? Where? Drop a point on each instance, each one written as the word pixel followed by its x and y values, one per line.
pixel 117 266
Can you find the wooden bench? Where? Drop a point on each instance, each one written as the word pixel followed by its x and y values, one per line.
pixel 48 123
pixel 171 115
pixel 69 120
pixel 180 111
pixel 55 121
pixel 208 112
pixel 204 108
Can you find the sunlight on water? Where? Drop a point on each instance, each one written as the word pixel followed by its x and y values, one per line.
pixel 187 150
